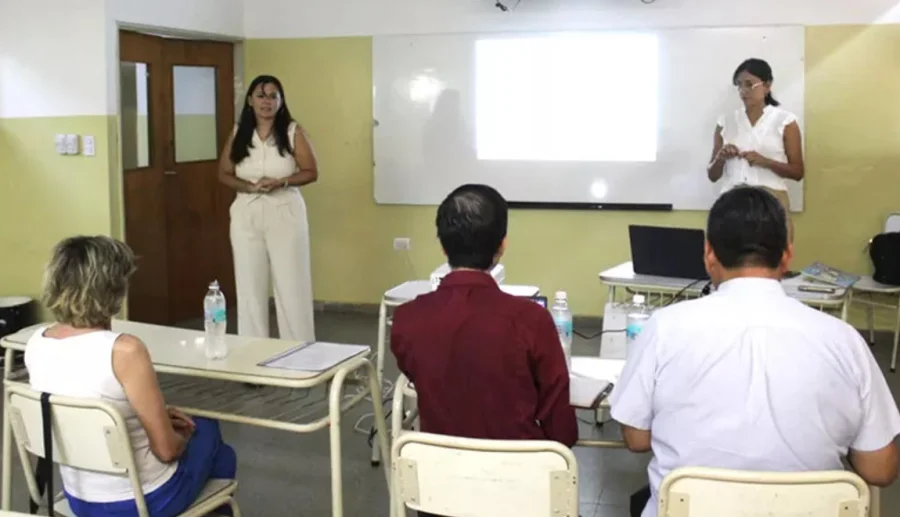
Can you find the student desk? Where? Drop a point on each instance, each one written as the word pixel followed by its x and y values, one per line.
pixel 214 389
pixel 663 289
pixel 406 292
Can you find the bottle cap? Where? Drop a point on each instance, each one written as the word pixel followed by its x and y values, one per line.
pixel 214 284
pixel 561 295
pixel 639 299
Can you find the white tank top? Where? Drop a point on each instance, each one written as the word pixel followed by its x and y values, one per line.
pixel 264 161
pixel 81 367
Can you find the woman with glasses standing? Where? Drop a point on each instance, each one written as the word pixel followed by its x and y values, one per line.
pixel 760 143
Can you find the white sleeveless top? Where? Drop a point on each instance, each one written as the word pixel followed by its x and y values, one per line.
pixel 81 367
pixel 264 161
pixel 766 138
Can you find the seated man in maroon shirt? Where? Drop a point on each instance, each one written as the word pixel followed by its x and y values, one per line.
pixel 485 364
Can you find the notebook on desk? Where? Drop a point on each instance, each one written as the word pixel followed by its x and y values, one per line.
pixel 317 356
pixel 819 272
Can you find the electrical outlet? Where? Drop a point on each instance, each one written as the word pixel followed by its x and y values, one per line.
pixel 402 244
pixel 87 145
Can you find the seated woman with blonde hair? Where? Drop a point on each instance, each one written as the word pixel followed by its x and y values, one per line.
pixel 80 356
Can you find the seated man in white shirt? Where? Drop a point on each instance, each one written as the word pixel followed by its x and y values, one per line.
pixel 749 378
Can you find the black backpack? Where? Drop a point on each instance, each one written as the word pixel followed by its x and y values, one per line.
pixel 885 253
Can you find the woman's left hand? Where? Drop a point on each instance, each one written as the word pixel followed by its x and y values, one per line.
pixel 269 184
pixel 755 159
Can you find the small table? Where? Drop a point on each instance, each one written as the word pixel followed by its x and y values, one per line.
pixel 173 352
pixel 624 277
pixel 865 292
pixel 406 292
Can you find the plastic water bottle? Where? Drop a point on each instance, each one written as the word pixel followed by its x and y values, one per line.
pixel 562 318
pixel 637 316
pixel 215 320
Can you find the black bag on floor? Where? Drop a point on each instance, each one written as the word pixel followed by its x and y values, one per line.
pixel 884 249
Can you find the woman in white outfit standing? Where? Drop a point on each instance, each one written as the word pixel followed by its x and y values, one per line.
pixel 758 144
pixel 267 159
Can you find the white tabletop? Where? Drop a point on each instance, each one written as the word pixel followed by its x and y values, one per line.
pixel 623 275
pixel 525 291
pixel 869 285
pixel 13 301
pixel 408 291
pixel 597 368
pixel 600 369
pixel 173 350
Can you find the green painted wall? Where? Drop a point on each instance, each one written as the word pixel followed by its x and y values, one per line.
pixel 45 197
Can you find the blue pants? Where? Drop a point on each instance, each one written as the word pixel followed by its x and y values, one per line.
pixel 205 457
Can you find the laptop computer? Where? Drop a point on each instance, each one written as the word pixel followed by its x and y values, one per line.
pixel 670 252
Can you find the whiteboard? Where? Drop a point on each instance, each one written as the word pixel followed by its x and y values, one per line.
pixel 426 119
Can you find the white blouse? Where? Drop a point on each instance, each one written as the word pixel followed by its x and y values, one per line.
pixel 766 138
pixel 264 161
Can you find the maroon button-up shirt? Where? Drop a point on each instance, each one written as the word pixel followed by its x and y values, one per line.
pixel 485 364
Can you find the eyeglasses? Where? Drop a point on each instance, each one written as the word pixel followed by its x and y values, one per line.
pixel 747 87
pixel 274 96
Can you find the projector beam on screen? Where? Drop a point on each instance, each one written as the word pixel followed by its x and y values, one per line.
pixel 624 207
pixel 617 124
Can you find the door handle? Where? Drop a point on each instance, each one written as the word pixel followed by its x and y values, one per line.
pixel 170 173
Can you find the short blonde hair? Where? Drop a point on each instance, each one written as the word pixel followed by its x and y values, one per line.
pixel 86 280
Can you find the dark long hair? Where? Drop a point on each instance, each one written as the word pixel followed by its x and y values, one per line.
pixel 243 139
pixel 757 68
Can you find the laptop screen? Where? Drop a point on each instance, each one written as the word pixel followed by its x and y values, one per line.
pixel 669 252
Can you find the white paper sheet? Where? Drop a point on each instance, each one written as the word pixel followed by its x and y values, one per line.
pixel 314 357
pixel 585 393
pixel 525 291
pixel 597 368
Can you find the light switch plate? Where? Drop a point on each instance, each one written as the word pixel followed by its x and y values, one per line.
pixel 60 143
pixel 71 144
pixel 87 145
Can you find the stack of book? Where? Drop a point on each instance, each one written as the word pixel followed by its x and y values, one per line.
pixel 819 272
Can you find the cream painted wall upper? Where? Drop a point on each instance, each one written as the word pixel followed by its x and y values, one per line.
pixel 322 18
pixel 217 18
pixel 44 76
pixel 212 19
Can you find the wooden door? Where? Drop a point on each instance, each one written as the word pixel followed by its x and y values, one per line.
pixel 177 112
